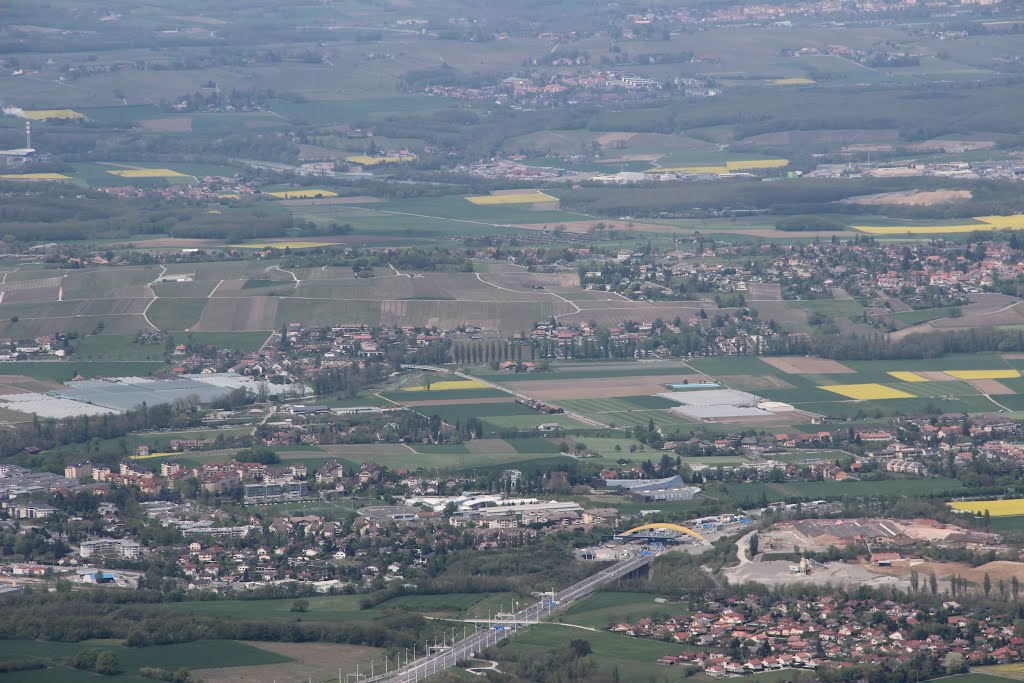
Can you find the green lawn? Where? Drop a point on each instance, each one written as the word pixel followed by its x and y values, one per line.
pixel 605 609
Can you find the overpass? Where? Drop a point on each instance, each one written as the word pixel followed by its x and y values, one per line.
pixel 472 645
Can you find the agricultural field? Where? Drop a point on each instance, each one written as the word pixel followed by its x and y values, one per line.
pixel 866 392
pixel 332 608
pixel 604 609
pixel 302 194
pixel 56 114
pixel 981 223
pixel 148 173
pixel 512 198
pixel 635 658
pixel 448 385
pixel 996 508
pixel 364 160
pixel 728 166
pixel 198 654
pixel 33 176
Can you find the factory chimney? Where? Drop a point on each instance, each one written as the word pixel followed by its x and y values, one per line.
pixel 28 135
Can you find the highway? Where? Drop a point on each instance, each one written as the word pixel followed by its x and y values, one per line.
pixel 472 645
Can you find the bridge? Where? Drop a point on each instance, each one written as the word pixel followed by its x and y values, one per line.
pixel 472 645
pixel 637 532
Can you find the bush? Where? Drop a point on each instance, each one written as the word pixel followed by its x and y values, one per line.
pixel 157 674
pixel 107 664
pixel 9 665
pixel 101 661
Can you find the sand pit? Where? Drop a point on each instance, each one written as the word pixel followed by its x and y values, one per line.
pixel 799 365
pixel 1000 569
pixel 992 387
pixel 910 198
pixel 776 573
pixel 614 139
pixel 568 388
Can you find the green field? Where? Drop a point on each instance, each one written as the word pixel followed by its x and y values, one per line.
pixel 242 342
pixel 330 608
pixel 635 658
pixel 833 490
pixel 61 371
pixel 604 609
pixel 594 369
pixel 176 314
pixel 117 347
pixel 195 655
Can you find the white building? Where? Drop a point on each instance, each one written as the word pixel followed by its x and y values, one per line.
pixel 121 547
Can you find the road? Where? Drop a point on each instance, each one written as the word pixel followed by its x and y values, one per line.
pixel 472 645
pixel 494 385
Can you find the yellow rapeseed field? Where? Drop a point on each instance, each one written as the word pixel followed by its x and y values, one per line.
pixel 792 81
pixel 983 374
pixel 517 198
pixel 282 245
pixel 996 508
pixel 907 376
pixel 229 195
pixel 1014 222
pixel 148 173
pixel 866 392
pixel 34 176
pixel 302 194
pixel 916 229
pixel 42 114
pixel 691 169
pixel 756 163
pixel 150 456
pixel 727 167
pixel 366 160
pixel 449 384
